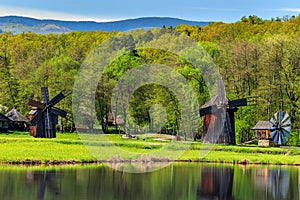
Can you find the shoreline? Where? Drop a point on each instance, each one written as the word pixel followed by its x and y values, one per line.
pixel 29 162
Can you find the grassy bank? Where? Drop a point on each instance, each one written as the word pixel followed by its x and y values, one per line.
pixel 69 148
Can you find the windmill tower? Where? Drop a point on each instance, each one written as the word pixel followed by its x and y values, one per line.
pixel 45 117
pixel 218 113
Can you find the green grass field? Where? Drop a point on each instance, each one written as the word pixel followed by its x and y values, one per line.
pixel 20 148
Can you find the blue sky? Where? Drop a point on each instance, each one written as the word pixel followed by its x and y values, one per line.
pixel 109 10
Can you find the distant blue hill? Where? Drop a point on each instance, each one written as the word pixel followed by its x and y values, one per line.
pixel 16 24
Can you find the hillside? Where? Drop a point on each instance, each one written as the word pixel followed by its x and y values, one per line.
pixel 258 59
pixel 16 24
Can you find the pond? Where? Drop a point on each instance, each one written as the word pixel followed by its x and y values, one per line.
pixel 176 181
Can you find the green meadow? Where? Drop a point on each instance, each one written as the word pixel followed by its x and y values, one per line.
pixel 20 148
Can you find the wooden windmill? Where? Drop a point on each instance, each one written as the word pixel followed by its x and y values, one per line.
pixel 218 115
pixel 45 117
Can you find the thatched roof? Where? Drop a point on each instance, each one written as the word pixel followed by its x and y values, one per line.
pixel 3 118
pixel 262 125
pixel 15 116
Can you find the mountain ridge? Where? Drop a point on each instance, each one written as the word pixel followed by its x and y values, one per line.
pixel 19 24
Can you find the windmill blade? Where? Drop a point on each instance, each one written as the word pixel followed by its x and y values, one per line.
pixel 287 129
pixel 57 98
pixel 45 94
pixel 279 139
pixel 281 113
pixel 286 123
pixel 286 116
pixel 208 110
pixel 36 104
pixel 283 139
pixel 60 112
pixel 285 133
pixel 272 128
pixel 276 136
pixel 272 134
pixel 276 116
pixel 238 102
pixel 273 121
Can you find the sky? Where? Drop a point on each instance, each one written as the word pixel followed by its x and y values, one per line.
pixel 111 10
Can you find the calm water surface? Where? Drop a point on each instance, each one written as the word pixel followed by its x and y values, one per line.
pixel 176 181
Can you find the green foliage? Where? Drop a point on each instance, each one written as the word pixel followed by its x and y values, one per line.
pixel 257 58
pixel 245 121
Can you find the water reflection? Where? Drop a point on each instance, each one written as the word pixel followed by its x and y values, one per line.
pixel 273 182
pixel 177 181
pixel 45 180
pixel 216 183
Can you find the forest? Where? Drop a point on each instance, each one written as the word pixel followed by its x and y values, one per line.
pixel 258 59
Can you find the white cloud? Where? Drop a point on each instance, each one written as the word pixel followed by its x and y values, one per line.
pixel 42 14
pixel 290 10
pixel 215 9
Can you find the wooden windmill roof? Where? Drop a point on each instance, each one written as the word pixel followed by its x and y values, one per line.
pixel 15 116
pixel 3 118
pixel 214 101
pixel 262 125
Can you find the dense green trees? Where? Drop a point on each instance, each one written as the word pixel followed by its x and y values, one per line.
pixel 257 58
pixel 29 61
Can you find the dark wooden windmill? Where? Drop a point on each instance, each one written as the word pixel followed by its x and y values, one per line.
pixel 45 117
pixel 218 112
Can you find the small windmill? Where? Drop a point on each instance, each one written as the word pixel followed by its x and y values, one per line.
pixel 281 127
pixel 45 118
pixel 218 115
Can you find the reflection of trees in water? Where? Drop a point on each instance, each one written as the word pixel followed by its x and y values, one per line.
pixel 216 183
pixel 177 181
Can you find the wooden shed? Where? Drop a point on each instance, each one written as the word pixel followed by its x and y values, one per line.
pixel 262 130
pixel 4 123
pixel 18 121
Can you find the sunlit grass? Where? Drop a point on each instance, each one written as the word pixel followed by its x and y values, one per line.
pixel 16 147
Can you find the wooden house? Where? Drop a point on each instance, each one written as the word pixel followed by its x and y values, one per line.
pixel 18 121
pixel 262 133
pixel 262 130
pixel 4 123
